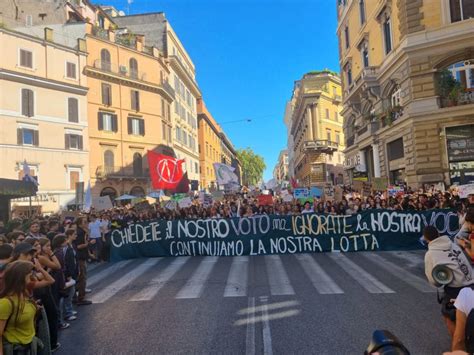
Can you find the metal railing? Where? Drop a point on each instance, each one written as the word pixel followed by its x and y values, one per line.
pixel 100 32
pixel 320 144
pixel 107 171
pixel 121 70
pixel 463 98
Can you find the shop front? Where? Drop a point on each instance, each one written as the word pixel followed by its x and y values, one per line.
pixel 10 189
pixel 460 146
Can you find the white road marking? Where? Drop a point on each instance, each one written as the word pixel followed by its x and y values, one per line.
pixel 158 282
pixel 238 276
pixel 270 307
pixel 250 335
pixel 103 274
pixel 366 280
pixel 319 278
pixel 106 293
pixel 400 273
pixel 412 259
pixel 278 278
pixel 266 332
pixel 195 284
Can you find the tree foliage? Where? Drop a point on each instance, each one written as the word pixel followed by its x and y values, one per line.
pixel 253 166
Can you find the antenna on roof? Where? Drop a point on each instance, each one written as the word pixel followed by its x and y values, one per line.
pixel 129 2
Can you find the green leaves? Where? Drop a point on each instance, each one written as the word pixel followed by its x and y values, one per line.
pixel 253 166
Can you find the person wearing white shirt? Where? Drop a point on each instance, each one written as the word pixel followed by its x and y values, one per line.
pixel 464 305
pixel 96 234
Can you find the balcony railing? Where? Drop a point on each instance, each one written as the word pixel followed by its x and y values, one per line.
pixel 168 88
pixel 121 70
pixel 119 172
pixel 127 40
pixel 463 98
pixel 320 145
pixel 100 32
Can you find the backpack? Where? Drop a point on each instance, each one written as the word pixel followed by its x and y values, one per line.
pixel 469 332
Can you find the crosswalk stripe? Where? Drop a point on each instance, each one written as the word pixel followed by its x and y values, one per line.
pixel 195 284
pixel 238 275
pixel 116 286
pixel 99 276
pixel 404 275
pixel 158 282
pixel 366 280
pixel 412 259
pixel 278 278
pixel 319 278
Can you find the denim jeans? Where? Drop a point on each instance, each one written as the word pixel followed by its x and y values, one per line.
pixel 65 304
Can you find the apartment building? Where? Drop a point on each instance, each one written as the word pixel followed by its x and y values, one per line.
pixel 43 111
pixel 316 129
pixel 408 82
pixel 280 172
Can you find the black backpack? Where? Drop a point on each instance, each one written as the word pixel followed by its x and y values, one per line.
pixel 469 332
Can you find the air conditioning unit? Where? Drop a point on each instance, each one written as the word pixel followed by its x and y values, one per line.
pixel 123 69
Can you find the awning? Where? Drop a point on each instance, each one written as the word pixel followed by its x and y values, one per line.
pixel 17 188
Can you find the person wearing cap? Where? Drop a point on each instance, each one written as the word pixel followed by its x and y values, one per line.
pixel 23 251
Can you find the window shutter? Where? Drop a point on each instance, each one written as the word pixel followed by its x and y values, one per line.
pixel 81 142
pixel 129 124
pixel 137 100
pixel 114 123
pixel 22 58
pixel 29 59
pixel 104 101
pixel 133 100
pixel 100 121
pixel 31 112
pixel 73 110
pixel 35 138
pixel 24 102
pixel 19 136
pixel 142 127
pixel 67 144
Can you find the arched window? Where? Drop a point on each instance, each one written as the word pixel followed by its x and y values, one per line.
pixel 137 191
pixel 109 191
pixel 133 68
pixel 105 60
pixel 137 164
pixel 108 161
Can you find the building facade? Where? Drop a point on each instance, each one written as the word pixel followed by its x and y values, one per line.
pixel 316 128
pixel 406 118
pixel 43 111
pixel 280 172
pixel 210 146
pixel 159 33
pixel 287 120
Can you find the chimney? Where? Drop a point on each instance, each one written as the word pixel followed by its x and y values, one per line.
pixel 81 45
pixel 48 34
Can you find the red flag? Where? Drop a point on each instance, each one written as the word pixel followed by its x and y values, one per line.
pixel 165 172
pixel 183 185
pixel 293 183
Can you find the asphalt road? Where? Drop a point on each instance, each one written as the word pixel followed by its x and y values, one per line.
pixel 275 304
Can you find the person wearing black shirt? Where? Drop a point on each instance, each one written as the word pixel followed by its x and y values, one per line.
pixel 81 245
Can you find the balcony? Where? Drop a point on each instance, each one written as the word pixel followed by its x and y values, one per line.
pixel 127 40
pixel 457 99
pixel 350 141
pixel 337 99
pixel 119 172
pixel 365 80
pixel 100 32
pixel 321 146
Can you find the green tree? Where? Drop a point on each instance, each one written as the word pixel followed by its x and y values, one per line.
pixel 253 166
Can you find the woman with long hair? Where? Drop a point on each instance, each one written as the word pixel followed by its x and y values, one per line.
pixel 17 309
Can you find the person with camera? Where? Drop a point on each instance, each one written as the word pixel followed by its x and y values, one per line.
pixel 442 251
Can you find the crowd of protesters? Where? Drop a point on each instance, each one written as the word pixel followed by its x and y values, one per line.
pixel 43 260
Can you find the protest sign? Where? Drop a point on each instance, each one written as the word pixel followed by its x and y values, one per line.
pixel 395 190
pixel 357 185
pixel 69 215
pixel 217 195
pixel 315 192
pixel 369 230
pixel 288 198
pixel 465 190
pixel 185 202
pixel 301 192
pixel 171 204
pixel 380 184
pixel 101 203
pixel 265 200
pixel 366 188
pixel 337 193
pixel 328 192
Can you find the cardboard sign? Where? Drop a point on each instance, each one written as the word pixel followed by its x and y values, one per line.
pixel 287 198
pixel 171 205
pixel 315 192
pixel 101 203
pixel 329 192
pixel 338 193
pixel 69 215
pixel 380 184
pixel 218 195
pixel 301 193
pixel 357 185
pixel 465 190
pixel 395 190
pixel 265 200
pixel 185 202
pixel 366 188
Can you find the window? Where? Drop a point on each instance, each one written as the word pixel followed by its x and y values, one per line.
pixel 196 169
pixel 107 122
pixel 70 70
pixel 136 126
pixel 74 178
pixel 365 55
pixel 168 111
pixel 73 109
pixel 207 149
pixel 395 149
pixel 106 94
pixel 135 100
pixel 109 162
pixel 169 134
pixel 105 60
pixel 26 58
pixel 27 136
pixel 133 68
pixel 461 10
pixel 185 138
pixel 137 164
pixel 349 76
pixel 328 134
pixel 338 138
pixel 362 11
pixel 27 102
pixel 396 98
pixel 387 35
pixel 346 36
pixel 463 72
pixel 163 131
pixel 73 141
pixel 327 114
pixel 178 134
pixel 336 116
pixel 162 108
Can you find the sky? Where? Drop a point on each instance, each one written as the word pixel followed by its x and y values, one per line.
pixel 248 54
